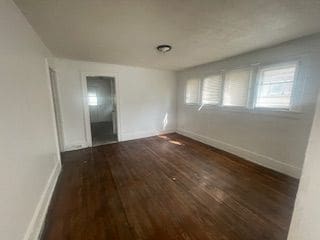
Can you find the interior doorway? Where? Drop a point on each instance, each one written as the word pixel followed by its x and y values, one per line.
pixel 102 109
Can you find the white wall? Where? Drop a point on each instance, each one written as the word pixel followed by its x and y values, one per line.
pixel 28 144
pixel 306 215
pixel 102 87
pixel 147 100
pixel 275 140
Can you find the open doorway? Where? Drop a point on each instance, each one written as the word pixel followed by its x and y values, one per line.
pixel 102 109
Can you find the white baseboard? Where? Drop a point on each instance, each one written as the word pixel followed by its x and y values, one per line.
pixel 38 218
pixel 75 146
pixel 123 137
pixel 137 135
pixel 257 158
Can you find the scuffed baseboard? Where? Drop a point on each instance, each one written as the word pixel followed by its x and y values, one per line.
pixel 38 218
pixel 257 158
pixel 137 135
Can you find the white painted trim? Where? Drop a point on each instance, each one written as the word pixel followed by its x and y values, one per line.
pixel 75 146
pixel 53 117
pixel 143 134
pixel 262 67
pixel 86 114
pixel 38 218
pixel 257 158
pixel 61 117
pixel 56 107
pixel 125 137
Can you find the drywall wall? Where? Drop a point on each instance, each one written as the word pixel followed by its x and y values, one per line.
pixel 146 99
pixel 102 112
pixel 275 140
pixel 306 215
pixel 29 153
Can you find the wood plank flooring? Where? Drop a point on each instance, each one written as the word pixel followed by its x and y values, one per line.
pixel 167 187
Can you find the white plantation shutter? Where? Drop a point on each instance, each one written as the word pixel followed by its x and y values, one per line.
pixel 211 90
pixel 192 91
pixel 236 88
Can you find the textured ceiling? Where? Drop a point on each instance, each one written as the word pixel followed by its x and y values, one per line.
pixel 200 31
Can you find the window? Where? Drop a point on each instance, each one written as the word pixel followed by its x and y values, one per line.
pixel 192 91
pixel 275 86
pixel 211 90
pixel 92 99
pixel 236 88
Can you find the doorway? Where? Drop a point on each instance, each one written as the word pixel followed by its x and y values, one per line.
pixel 102 109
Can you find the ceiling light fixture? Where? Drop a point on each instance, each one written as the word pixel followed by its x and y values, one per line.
pixel 164 48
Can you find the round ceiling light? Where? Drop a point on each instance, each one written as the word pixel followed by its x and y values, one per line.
pixel 164 48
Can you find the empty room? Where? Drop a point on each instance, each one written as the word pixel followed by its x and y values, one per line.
pixel 157 119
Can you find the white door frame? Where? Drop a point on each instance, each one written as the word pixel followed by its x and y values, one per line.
pixel 56 106
pixel 57 131
pixel 86 113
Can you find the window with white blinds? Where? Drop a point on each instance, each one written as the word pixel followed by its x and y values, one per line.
pixel 275 86
pixel 192 91
pixel 211 90
pixel 236 87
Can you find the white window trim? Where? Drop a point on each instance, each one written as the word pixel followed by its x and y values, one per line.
pixel 293 108
pixel 238 108
pixel 293 112
pixel 209 105
pixel 199 93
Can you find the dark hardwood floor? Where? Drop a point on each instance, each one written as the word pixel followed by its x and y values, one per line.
pixel 167 187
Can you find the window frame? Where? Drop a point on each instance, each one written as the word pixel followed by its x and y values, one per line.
pixel 249 91
pixel 293 106
pixel 199 92
pixel 220 74
pixel 293 111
